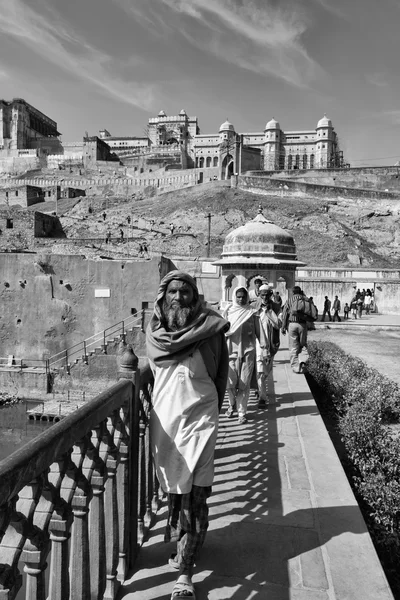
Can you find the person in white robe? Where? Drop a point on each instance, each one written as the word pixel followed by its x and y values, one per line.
pixel 241 337
pixel 270 324
pixel 188 356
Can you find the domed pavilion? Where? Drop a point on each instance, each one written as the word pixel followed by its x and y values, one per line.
pixel 258 248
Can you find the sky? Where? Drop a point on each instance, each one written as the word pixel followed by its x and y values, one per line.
pixel 94 64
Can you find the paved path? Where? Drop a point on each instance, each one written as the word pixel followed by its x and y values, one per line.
pixel 373 321
pixel 284 524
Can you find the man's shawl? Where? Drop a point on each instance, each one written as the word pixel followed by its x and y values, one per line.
pixel 165 348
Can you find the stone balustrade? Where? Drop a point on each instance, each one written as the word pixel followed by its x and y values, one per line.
pixel 76 501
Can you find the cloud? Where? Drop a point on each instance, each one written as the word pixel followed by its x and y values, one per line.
pixel 251 34
pixel 49 37
pixel 332 7
pixel 393 116
pixel 377 78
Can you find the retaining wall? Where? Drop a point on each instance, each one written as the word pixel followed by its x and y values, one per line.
pixel 265 185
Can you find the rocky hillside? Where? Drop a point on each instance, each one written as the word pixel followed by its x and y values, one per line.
pixel 327 233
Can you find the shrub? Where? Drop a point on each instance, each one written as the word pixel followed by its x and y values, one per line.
pixel 366 402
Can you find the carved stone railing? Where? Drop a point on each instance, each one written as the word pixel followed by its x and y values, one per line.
pixel 77 501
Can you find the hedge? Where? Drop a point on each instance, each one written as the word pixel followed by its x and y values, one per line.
pixel 366 403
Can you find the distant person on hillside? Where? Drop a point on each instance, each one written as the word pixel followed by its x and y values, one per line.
pixel 327 309
pixel 346 310
pixel 108 237
pixel 140 250
pixel 104 216
pixel 128 219
pixel 145 250
pixel 121 235
pixel 336 309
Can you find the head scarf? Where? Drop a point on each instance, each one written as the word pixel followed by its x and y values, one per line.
pixel 166 348
pixel 237 314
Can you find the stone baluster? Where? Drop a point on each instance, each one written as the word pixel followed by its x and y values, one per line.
pixel 111 514
pixel 35 565
pixel 32 526
pixel 79 561
pixel 149 481
pixel 10 576
pixel 156 492
pixel 60 533
pixel 60 524
pixel 94 470
pixel 80 579
pixel 122 441
pixel 142 477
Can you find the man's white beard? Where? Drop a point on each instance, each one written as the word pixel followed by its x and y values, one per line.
pixel 177 316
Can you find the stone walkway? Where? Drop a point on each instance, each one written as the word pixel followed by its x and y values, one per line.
pixel 284 524
pixel 373 321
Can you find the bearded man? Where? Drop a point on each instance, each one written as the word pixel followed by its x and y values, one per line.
pixel 188 355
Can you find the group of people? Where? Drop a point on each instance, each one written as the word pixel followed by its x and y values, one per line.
pixel 362 300
pixel 196 354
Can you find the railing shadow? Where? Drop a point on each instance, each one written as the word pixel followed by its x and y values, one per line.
pixel 76 502
pixel 265 536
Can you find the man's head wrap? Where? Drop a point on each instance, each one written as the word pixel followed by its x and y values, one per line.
pixel 162 289
pixel 169 347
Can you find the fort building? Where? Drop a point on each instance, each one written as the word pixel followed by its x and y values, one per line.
pixel 176 142
pixel 23 127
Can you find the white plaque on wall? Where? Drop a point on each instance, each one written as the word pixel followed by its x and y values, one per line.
pixel 102 293
pixel 207 267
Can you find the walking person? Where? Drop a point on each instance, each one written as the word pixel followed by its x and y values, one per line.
pixel 353 307
pixel 241 339
pixel 336 309
pixel 270 325
pixel 327 309
pixel 294 321
pixel 188 356
pixel 254 294
pixel 360 305
pixel 367 302
pixel 346 310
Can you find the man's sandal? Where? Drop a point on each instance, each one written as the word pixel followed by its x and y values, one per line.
pixel 183 590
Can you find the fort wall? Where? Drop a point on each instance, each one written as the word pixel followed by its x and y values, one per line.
pixel 50 302
pixel 273 186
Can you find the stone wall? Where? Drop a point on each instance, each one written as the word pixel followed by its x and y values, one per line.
pixel 57 305
pixel 344 283
pixel 19 228
pixel 266 185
